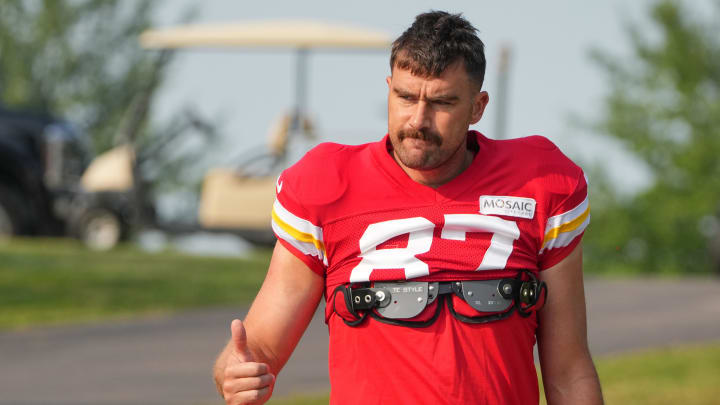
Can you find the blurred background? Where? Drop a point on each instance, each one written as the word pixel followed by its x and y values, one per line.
pixel 138 160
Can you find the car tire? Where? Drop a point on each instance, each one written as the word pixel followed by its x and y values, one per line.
pixel 12 214
pixel 7 228
pixel 100 229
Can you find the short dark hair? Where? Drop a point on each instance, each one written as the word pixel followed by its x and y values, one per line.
pixel 436 40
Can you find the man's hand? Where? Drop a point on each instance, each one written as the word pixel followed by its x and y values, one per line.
pixel 245 381
pixel 245 370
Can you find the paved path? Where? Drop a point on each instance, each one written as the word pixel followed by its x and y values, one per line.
pixel 168 359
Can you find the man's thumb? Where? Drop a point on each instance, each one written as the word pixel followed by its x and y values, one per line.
pixel 239 340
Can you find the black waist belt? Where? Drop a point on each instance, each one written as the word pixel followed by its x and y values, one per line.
pixel 396 303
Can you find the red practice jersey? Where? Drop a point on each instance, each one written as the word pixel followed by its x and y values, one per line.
pixel 353 215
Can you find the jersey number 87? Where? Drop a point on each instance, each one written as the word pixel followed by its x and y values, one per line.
pixel 420 237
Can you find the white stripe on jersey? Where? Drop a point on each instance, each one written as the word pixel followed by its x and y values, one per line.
pixel 298 232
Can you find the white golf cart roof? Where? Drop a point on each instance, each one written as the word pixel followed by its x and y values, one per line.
pixel 269 33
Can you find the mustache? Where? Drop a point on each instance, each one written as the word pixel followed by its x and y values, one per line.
pixel 425 135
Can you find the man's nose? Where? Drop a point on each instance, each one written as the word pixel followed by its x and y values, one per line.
pixel 421 116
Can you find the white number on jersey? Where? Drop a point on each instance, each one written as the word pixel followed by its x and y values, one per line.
pixel 420 237
pixel 501 245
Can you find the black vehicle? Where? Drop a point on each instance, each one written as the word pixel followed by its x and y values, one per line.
pixel 42 163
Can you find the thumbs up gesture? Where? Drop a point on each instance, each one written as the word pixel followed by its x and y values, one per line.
pixel 245 380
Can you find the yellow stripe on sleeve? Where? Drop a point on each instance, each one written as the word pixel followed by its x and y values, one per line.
pixel 300 236
pixel 567 227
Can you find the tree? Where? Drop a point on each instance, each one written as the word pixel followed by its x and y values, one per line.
pixel 81 60
pixel 664 106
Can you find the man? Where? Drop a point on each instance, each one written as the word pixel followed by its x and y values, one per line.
pixel 474 226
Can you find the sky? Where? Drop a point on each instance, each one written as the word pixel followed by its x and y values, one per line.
pixel 552 77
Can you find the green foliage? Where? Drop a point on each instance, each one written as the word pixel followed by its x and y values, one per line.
pixel 663 106
pixel 81 60
pixel 78 59
pixel 52 281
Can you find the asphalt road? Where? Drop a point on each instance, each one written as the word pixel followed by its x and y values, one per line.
pixel 167 360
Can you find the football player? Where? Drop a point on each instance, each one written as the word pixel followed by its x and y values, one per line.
pixel 442 254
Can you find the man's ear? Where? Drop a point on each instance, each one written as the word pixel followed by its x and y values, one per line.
pixel 480 101
pixel 388 80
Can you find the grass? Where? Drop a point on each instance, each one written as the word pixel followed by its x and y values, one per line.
pixel 301 400
pixel 53 281
pixel 685 375
pixel 670 376
pixel 47 281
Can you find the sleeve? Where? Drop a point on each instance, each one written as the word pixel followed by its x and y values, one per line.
pixel 565 228
pixel 294 228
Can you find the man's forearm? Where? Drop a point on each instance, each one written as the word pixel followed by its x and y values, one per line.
pixel 578 387
pixel 568 371
pixel 262 343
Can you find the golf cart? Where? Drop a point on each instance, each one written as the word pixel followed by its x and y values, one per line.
pixel 239 199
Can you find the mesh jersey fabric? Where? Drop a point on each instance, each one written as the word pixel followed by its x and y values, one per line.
pixel 353 215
